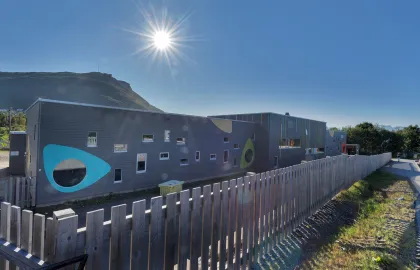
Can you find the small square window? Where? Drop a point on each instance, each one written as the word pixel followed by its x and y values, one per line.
pixel 184 162
pixel 147 138
pixel 225 139
pixel 212 156
pixel 167 136
pixel 120 148
pixel 117 175
pixel 180 140
pixel 92 139
pixel 236 146
pixel 225 156
pixel 164 156
pixel 197 156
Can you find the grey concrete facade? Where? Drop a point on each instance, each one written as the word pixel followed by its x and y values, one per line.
pixel 66 124
pixel 277 128
pixel 334 142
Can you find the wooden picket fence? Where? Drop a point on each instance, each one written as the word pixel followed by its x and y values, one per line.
pixel 227 225
pixel 22 191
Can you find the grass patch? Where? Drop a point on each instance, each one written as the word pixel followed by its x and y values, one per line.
pixel 383 235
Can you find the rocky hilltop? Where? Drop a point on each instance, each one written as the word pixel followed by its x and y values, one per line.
pixel 20 89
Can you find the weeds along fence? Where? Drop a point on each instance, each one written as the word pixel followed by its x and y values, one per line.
pixel 226 225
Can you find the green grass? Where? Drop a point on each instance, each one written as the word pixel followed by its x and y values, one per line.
pixel 383 235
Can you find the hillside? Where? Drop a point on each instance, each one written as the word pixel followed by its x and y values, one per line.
pixel 20 89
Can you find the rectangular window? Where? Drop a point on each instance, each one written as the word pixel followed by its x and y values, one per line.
pixel 92 139
pixel 236 146
pixel 276 161
pixel 164 156
pixel 184 162
pixel 225 156
pixel 117 175
pixel 225 139
pixel 283 143
pixel 120 148
pixel 141 163
pixel 197 156
pixel 180 140
pixel 147 138
pixel 212 156
pixel 167 136
pixel 320 150
pixel 234 162
pixel 294 142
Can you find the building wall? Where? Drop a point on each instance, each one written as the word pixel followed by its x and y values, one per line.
pixel 68 126
pixel 32 130
pixel 334 141
pixel 277 126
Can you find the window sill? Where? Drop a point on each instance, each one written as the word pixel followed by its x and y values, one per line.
pixel 164 159
pixel 147 141
pixel 91 146
pixel 184 164
pixel 118 182
pixel 140 172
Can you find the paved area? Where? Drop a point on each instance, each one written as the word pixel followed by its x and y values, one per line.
pixel 407 168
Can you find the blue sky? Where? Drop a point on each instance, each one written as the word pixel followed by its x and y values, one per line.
pixel 343 62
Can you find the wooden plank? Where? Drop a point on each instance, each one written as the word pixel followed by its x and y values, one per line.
pixel 245 221
pixel 38 236
pixel 282 202
pixel 65 239
pixel 262 215
pixel 27 228
pixel 22 192
pixel 157 239
pixel 293 198
pixel 15 229
pixel 274 207
pixel 6 211
pixel 252 221
pixel 49 239
pixel 195 251
pixel 139 237
pixel 94 239
pixel 238 241
pixel 170 231
pixel 207 224
pixel 224 224
pixel 11 190
pixel 118 246
pixel 232 222
pixel 184 228
pixel 17 192
pixel 257 217
pixel 266 212
pixel 216 226
pixel 33 192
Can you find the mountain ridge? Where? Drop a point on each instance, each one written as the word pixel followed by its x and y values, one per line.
pixel 20 89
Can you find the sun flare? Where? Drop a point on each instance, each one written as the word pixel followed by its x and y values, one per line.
pixel 162 40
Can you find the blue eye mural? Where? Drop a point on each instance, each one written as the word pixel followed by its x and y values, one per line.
pixel 70 169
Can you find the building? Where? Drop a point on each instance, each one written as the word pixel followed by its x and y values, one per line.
pixel 287 140
pixel 78 151
pixel 335 143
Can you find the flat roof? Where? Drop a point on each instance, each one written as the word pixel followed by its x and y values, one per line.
pixel 148 111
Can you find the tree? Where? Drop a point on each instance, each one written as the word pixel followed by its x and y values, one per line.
pixel 411 135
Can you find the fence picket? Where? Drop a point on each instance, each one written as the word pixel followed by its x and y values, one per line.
pixel 94 239
pixel 195 228
pixel 216 226
pixel 245 221
pixel 170 231
pixel 139 237
pixel 207 222
pixel 38 236
pixel 118 247
pixel 232 222
pixel 26 232
pixel 224 224
pixel 257 240
pixel 251 221
pixel 156 234
pixel 184 236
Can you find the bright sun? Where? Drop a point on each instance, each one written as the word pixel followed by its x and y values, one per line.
pixel 162 40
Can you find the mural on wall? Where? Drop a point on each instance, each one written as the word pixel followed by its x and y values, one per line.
pixel 70 169
pixel 224 125
pixel 248 154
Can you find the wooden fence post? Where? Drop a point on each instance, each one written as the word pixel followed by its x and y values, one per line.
pixel 5 229
pixel 118 246
pixel 94 239
pixel 27 228
pixel 38 236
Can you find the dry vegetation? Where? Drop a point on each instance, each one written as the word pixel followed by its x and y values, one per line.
pixel 383 235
